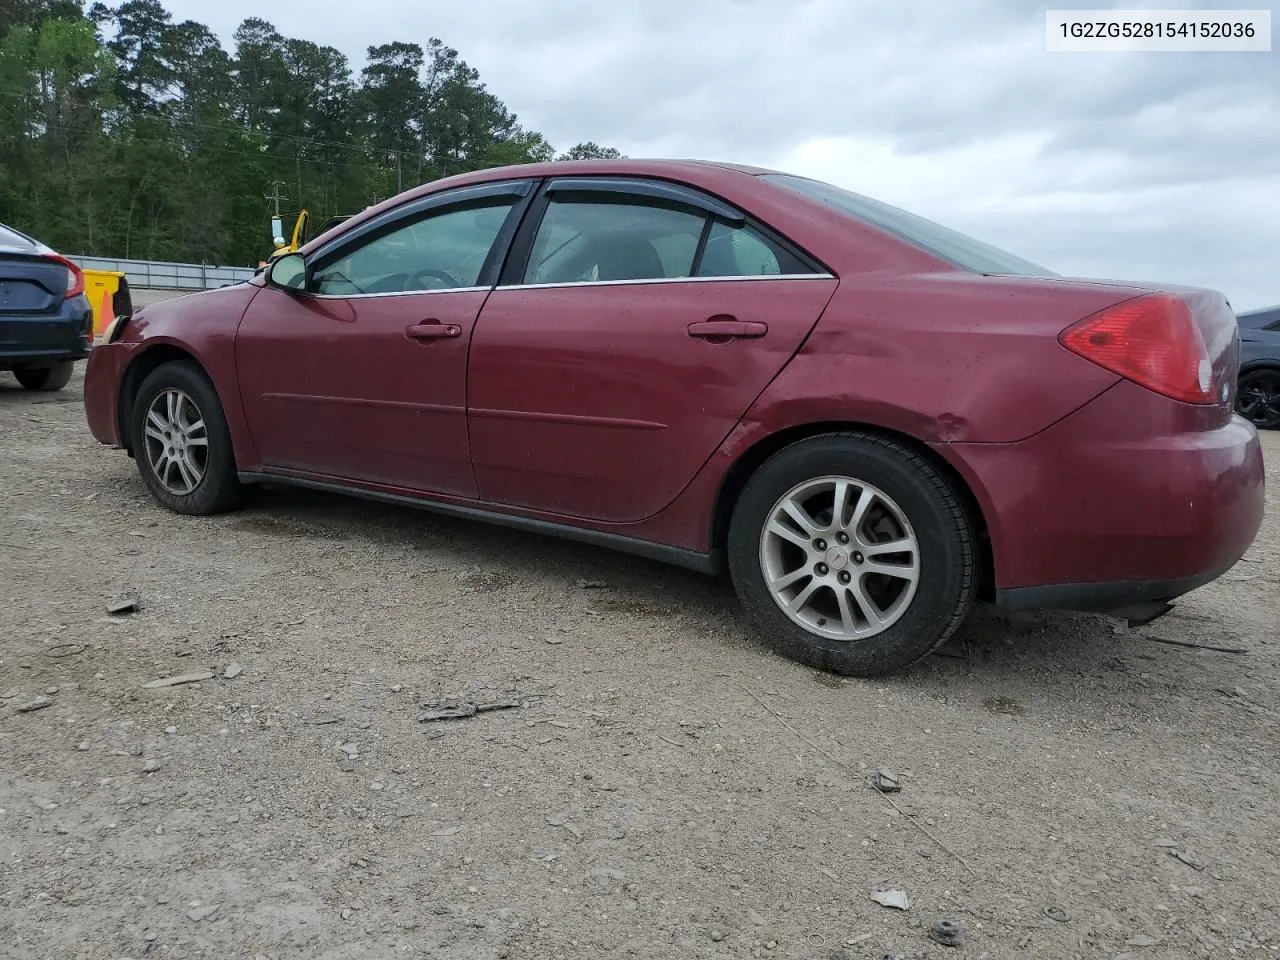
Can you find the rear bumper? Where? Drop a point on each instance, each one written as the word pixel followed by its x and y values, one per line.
pixel 33 339
pixel 1132 499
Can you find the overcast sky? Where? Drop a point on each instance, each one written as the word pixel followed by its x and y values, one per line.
pixel 1141 166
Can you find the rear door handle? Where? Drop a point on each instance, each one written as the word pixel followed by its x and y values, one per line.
pixel 432 330
pixel 727 328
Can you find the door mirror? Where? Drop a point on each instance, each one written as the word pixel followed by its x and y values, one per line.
pixel 288 273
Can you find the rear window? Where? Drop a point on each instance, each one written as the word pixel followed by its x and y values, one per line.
pixel 15 240
pixel 943 242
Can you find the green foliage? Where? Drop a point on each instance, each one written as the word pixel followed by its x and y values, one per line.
pixel 590 151
pixel 123 133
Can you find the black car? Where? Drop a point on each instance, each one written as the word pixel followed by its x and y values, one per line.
pixel 1258 398
pixel 46 324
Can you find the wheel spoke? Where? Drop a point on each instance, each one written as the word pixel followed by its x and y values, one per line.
pixel 184 469
pixel 905 545
pixel 172 403
pixel 785 580
pixel 847 617
pixel 154 432
pixel 903 571
pixel 801 517
pixel 155 420
pixel 868 607
pixel 860 514
pixel 194 430
pixel 786 533
pixel 197 441
pixel 800 599
pixel 839 504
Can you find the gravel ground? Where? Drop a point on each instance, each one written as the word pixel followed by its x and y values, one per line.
pixel 667 787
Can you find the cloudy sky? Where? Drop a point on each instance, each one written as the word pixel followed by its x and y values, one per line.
pixel 1142 166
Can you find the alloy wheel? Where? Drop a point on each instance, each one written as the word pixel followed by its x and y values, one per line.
pixel 1259 398
pixel 840 558
pixel 177 441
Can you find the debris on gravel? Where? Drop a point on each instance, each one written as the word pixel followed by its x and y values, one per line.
pixel 946 932
pixel 232 670
pixel 886 781
pixel 897 899
pixel 150 765
pixel 461 709
pixel 126 603
pixel 208 912
pixel 179 680
pixel 39 703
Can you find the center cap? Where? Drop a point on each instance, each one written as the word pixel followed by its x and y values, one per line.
pixel 837 558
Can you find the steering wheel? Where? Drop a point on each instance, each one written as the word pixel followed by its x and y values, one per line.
pixel 413 281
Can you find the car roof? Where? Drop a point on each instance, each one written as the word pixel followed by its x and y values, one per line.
pixel 662 168
pixel 1252 319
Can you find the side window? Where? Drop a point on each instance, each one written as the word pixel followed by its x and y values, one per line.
pixel 580 241
pixel 742 251
pixel 435 253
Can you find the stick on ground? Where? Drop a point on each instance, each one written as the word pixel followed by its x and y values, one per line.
pixel 849 770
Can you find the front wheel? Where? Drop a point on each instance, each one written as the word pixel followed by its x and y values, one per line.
pixel 47 379
pixel 852 553
pixel 181 443
pixel 1258 398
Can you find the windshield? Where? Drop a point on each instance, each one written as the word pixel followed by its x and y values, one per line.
pixel 942 242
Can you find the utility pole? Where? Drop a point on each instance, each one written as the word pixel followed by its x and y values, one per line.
pixel 275 196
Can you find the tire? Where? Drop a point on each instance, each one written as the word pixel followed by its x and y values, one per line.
pixel 910 503
pixel 183 397
pixel 1258 398
pixel 46 379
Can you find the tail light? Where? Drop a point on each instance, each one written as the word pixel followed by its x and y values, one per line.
pixel 1153 341
pixel 75 276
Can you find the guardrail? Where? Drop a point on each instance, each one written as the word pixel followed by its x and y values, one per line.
pixel 163 275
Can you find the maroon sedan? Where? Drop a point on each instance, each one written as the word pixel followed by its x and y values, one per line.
pixel 868 419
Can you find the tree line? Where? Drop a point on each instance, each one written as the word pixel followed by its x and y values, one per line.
pixel 126 134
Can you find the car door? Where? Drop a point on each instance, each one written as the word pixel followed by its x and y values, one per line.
pixel 362 376
pixel 635 323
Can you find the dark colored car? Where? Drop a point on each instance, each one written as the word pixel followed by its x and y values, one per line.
pixel 46 324
pixel 1258 399
pixel 867 419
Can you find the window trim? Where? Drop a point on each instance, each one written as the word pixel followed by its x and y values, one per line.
pixel 424 208
pixel 664 193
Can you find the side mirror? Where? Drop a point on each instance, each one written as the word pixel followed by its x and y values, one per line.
pixel 277 231
pixel 288 273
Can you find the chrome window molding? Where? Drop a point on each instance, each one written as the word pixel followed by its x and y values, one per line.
pixel 656 280
pixel 575 283
pixel 392 293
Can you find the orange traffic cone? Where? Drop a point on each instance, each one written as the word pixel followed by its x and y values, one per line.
pixel 105 316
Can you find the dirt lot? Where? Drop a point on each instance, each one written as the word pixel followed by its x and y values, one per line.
pixel 668 787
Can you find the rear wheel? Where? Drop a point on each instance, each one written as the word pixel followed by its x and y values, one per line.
pixel 1258 398
pixel 181 443
pixel 852 553
pixel 55 376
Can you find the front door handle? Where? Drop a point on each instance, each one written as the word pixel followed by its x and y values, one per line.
pixel 432 330
pixel 722 329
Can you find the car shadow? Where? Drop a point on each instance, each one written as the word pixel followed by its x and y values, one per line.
pixel 1007 661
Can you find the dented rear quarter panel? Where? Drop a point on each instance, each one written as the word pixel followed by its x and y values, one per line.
pixel 943 358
